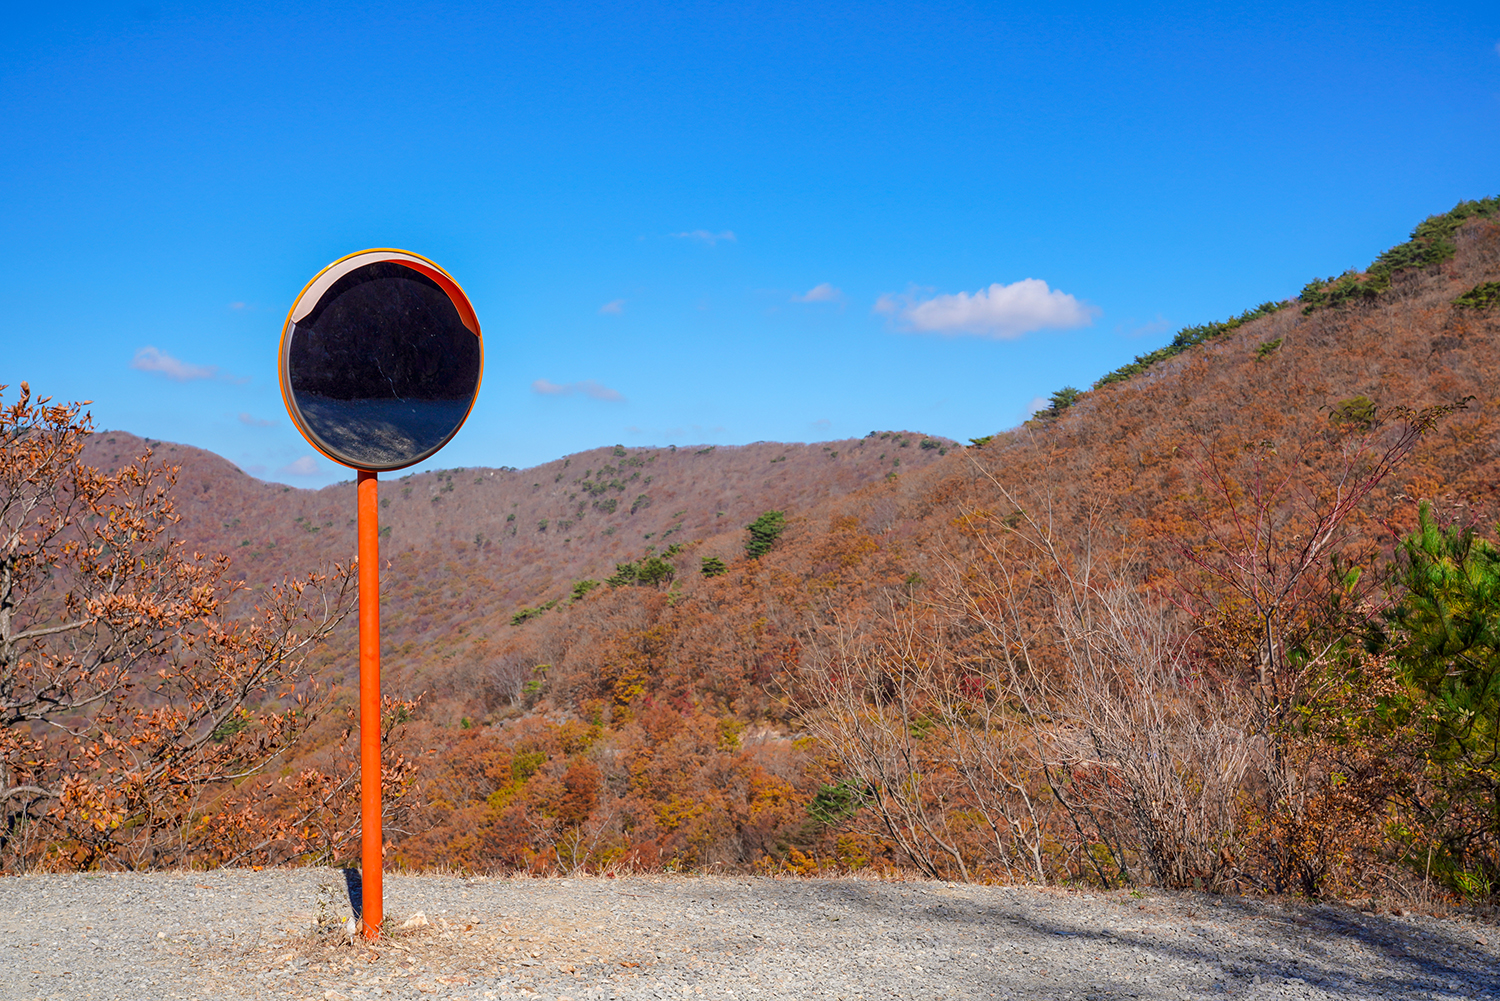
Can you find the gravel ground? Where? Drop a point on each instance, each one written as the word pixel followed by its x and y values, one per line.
pixel 280 934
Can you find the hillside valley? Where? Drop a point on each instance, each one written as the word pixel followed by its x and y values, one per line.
pixel 506 538
pixel 1040 657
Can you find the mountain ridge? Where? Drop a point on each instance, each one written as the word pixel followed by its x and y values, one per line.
pixel 543 527
pixel 692 718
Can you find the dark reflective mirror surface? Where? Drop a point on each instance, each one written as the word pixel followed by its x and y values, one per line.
pixel 382 371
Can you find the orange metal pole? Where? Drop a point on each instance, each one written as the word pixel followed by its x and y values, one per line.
pixel 369 703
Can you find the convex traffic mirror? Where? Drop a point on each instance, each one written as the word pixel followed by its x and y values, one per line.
pixel 381 359
pixel 380 363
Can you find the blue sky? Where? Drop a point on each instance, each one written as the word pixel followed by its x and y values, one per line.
pixel 712 223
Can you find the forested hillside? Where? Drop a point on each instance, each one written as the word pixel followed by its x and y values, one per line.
pixel 475 544
pixel 1229 619
pixel 907 676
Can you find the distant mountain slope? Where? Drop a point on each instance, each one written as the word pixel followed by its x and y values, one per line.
pixel 520 536
pixel 658 720
pixel 471 547
pixel 629 693
pixel 1394 275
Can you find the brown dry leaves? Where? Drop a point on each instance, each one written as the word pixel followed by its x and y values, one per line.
pixel 136 686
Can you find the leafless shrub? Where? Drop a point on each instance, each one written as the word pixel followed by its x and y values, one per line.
pixel 888 715
pixel 1036 718
pixel 1144 756
pixel 502 681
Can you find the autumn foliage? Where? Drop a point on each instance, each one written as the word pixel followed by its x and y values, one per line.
pixel 1132 642
pixel 1227 621
pixel 136 687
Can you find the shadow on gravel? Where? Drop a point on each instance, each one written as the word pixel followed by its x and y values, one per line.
pixel 1418 949
pixel 356 887
pixel 1244 936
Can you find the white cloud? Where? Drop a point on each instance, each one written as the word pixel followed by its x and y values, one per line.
pixel 596 391
pixel 150 359
pixel 1037 405
pixel 822 424
pixel 707 237
pixel 614 307
pixel 1001 311
pixel 586 387
pixel 820 293
pixel 238 305
pixel 256 422
pixel 305 466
